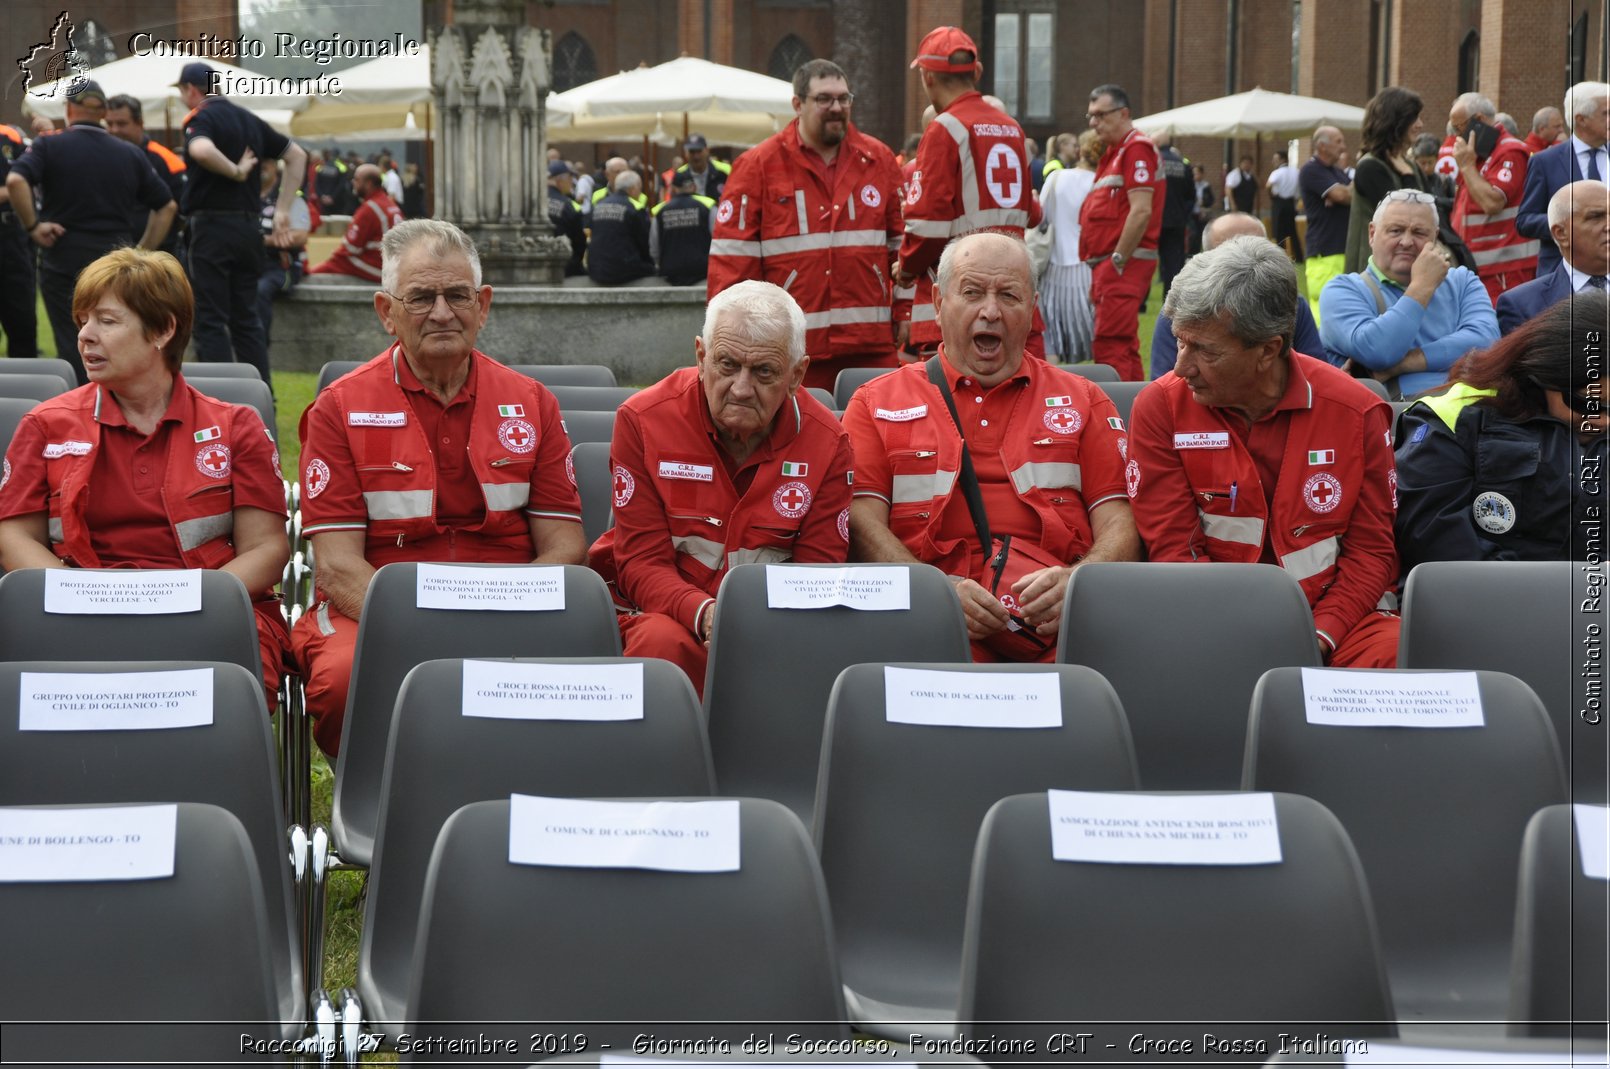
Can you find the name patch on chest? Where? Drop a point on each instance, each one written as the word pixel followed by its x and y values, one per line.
pixel 377 419
pixel 699 473
pixel 901 415
pixel 1203 440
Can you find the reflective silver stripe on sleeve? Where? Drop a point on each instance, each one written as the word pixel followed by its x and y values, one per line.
pixel 1244 529
pixel 703 550
pixel 1046 476
pixel 906 488
pixel 193 533
pixel 397 504
pixel 983 218
pixel 1523 251
pixel 840 316
pixel 1312 560
pixel 764 555
pixel 837 239
pixel 56 531
pixel 928 228
pixel 506 497
pixel 923 313
pixel 734 247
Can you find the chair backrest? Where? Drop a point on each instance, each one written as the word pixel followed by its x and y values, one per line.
pixel 36 387
pixel 594 482
pixel 824 396
pixel 1233 945
pixel 567 374
pixel 1375 387
pixel 851 379
pixel 191 947
pixel 224 630
pixel 334 369
pixel 197 369
pixel 253 392
pixel 1437 815
pixel 1183 645
pixel 230 763
pixel 771 671
pixel 1557 974
pixel 44 365
pixel 1102 373
pixel 591 398
pixel 12 409
pixel 394 635
pixel 898 807
pixel 440 759
pixel 586 426
pixel 505 942
pixel 1527 618
pixel 1122 395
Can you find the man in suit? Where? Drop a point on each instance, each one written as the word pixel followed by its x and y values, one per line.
pixel 1579 221
pixel 1582 155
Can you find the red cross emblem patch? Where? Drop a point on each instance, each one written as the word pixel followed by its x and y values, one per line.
pixel 1323 492
pixel 1063 420
pixel 570 467
pixel 792 500
pixel 213 461
pixel 316 478
pixel 870 195
pixel 517 435
pixel 624 485
pixel 844 524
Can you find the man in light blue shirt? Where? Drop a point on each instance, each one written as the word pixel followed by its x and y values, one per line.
pixel 1407 316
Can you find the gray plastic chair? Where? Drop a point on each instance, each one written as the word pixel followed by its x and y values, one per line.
pixel 1557 974
pixel 34 386
pixel 824 396
pixel 595 484
pixel 898 808
pixel 567 374
pixel 440 760
pixel 581 426
pixel 231 763
pixel 12 409
pixel 1122 395
pixel 851 379
pixel 217 369
pixel 394 635
pixel 771 671
pixel 1521 617
pixel 1102 373
pixel 243 391
pixel 194 947
pixel 334 369
pixel 43 365
pixel 606 951
pixel 1226 948
pixel 1437 815
pixel 1183 645
pixel 590 398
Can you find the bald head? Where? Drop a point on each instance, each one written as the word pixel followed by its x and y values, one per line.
pixel 1231 225
pixel 366 179
pixel 613 167
pixel 1579 220
pixel 1328 144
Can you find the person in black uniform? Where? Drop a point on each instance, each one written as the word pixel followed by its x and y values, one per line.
pixel 680 239
pixel 565 214
pixel 1500 465
pixel 223 144
pixel 618 251
pixel 91 184
pixel 1179 197
pixel 125 119
pixel 18 317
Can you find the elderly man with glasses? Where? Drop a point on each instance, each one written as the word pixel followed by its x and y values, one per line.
pixel 432 451
pixel 1409 314
pixel 816 210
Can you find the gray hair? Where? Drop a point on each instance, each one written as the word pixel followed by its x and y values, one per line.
pixel 1584 98
pixel 1564 201
pixel 1406 196
pixel 1507 121
pixel 762 313
pixel 440 237
pixel 628 182
pixel 1247 279
pixel 1475 104
pixel 947 259
pixel 1543 116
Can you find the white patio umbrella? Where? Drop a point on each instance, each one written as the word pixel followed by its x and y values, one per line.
pixel 385 97
pixel 149 79
pixel 727 105
pixel 1254 113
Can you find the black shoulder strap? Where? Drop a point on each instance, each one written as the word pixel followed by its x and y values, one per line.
pixel 969 479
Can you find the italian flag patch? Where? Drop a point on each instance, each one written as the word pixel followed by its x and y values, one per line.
pixel 1322 456
pixel 511 410
pixel 795 468
pixel 1059 402
pixel 208 434
pixel 1115 423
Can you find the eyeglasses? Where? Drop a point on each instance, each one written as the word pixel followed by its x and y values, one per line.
pixel 1101 114
pixel 826 100
pixel 422 302
pixel 1413 196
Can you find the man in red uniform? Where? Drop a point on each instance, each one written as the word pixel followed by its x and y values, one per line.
pixel 972 173
pixel 816 210
pixel 1046 446
pixel 432 451
pixel 725 463
pixel 1253 453
pixel 1119 223
pixel 1492 177
pixel 359 251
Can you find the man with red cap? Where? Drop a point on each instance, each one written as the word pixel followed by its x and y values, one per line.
pixel 972 174
pixel 1119 224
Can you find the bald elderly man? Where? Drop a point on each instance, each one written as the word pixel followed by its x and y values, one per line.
pixel 359 251
pixel 1579 223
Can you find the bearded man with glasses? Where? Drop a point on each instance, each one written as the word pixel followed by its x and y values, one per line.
pixel 432 451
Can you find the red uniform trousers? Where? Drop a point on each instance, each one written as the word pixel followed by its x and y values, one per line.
pixel 272 642
pixel 654 634
pixel 322 644
pixel 1117 299
pixel 1372 643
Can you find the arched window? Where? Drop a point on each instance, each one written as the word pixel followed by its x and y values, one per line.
pixel 1469 62
pixel 790 54
pixel 573 62
pixel 1579 49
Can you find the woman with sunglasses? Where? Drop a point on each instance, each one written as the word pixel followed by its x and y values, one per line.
pixel 1507 463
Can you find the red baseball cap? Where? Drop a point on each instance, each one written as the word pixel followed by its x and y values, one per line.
pixel 936 50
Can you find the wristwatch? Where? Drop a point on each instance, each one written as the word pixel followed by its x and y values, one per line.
pixel 1118 261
